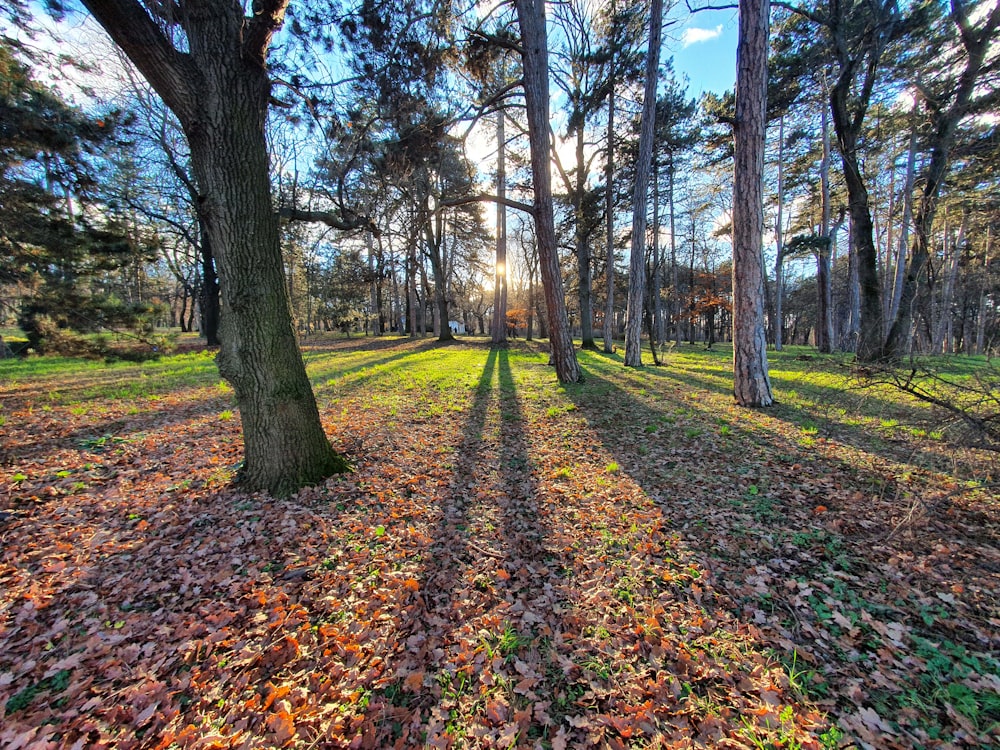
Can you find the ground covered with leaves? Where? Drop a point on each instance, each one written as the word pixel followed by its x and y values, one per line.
pixel 632 562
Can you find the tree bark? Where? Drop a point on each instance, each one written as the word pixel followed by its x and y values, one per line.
pixel 637 258
pixel 219 89
pixel 751 383
pixel 209 299
pixel 531 18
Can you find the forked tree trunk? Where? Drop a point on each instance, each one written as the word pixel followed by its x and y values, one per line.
pixel 534 40
pixel 751 384
pixel 219 89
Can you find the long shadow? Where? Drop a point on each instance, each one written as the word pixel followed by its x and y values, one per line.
pixel 749 518
pixel 326 375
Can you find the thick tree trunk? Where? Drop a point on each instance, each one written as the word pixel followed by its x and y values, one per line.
pixel 284 440
pixel 219 90
pixel 751 383
pixel 531 18
pixel 637 258
pixel 870 329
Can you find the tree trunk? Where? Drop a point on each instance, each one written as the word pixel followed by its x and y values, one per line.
pixel 870 329
pixel 779 257
pixel 637 258
pixel 499 328
pixel 434 229
pixel 583 264
pixel 675 284
pixel 904 232
pixel 824 328
pixel 411 286
pixel 531 18
pixel 609 220
pixel 751 384
pixel 657 276
pixel 219 91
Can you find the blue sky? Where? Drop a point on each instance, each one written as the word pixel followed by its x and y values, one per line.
pixel 703 46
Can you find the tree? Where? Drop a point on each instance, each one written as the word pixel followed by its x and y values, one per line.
pixel 751 384
pixel 534 56
pixel 621 30
pixel 209 65
pixel 63 258
pixel 577 80
pixel 947 105
pixel 637 258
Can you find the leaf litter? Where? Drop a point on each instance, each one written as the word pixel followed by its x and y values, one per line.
pixel 511 564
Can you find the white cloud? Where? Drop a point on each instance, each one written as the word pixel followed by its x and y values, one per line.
pixel 696 35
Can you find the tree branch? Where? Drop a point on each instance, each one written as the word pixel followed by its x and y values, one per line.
pixel 483 198
pixel 171 73
pixel 330 218
pixel 268 15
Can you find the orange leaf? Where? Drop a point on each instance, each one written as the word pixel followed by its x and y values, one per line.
pixel 411 584
pixel 282 726
pixel 414 682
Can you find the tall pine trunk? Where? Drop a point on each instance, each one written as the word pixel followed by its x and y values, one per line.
pixel 583 264
pixel 535 58
pixel 751 383
pixel 609 220
pixel 637 258
pixel 779 257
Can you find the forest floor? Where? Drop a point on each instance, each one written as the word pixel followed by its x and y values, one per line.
pixel 632 562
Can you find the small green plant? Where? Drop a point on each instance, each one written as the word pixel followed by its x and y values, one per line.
pixel 57 683
pixel 504 644
pixel 18 477
pixel 612 468
pixel 724 430
pixel 226 415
